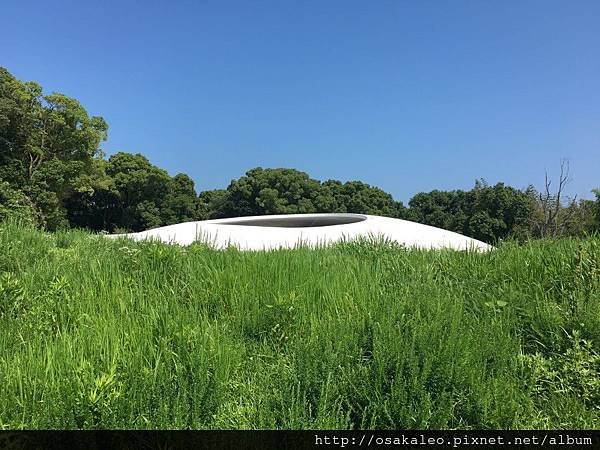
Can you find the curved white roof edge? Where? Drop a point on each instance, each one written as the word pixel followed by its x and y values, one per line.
pixel 291 230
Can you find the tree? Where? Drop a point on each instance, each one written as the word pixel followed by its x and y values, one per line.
pixel 211 204
pixel 550 217
pixel 270 191
pixel 582 216
pixel 15 204
pixel 487 213
pixel 140 195
pixel 443 209
pixel 140 188
pixel 494 213
pixel 357 197
pixel 289 191
pixel 181 203
pixel 48 144
pixel 97 209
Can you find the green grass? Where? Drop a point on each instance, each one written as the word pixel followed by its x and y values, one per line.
pixel 97 333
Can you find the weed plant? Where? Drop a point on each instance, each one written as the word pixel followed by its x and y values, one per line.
pixel 96 333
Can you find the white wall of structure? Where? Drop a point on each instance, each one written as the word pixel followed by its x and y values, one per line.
pixel 287 231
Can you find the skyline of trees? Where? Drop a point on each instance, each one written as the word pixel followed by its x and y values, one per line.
pixel 54 175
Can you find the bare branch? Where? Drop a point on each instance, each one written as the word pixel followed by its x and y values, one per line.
pixel 552 217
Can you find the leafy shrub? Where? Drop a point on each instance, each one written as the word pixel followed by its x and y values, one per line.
pixel 16 205
pixel 574 374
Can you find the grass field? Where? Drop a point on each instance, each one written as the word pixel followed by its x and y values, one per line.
pixel 114 334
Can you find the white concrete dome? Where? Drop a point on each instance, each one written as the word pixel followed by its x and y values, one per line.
pixel 288 231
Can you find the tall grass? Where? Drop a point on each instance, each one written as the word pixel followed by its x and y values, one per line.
pixel 96 333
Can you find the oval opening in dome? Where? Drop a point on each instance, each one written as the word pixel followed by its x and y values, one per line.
pixel 294 221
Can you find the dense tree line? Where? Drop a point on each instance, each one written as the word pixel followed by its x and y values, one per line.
pixel 54 175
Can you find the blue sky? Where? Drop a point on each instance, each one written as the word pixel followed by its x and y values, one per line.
pixel 409 96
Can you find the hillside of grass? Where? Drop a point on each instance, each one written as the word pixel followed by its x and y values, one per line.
pixel 96 333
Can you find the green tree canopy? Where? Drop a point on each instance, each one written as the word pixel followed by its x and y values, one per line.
pixel 211 204
pixel 270 191
pixel 143 196
pixel 15 204
pixel 443 209
pixel 357 197
pixel 181 203
pixel 48 144
pixel 495 212
pixel 488 213
pixel 136 195
pixel 289 191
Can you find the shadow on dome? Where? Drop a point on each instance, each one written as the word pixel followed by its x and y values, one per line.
pixel 296 221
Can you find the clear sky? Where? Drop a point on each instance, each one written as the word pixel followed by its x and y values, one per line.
pixel 409 96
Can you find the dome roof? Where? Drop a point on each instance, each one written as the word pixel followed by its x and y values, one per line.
pixel 288 231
